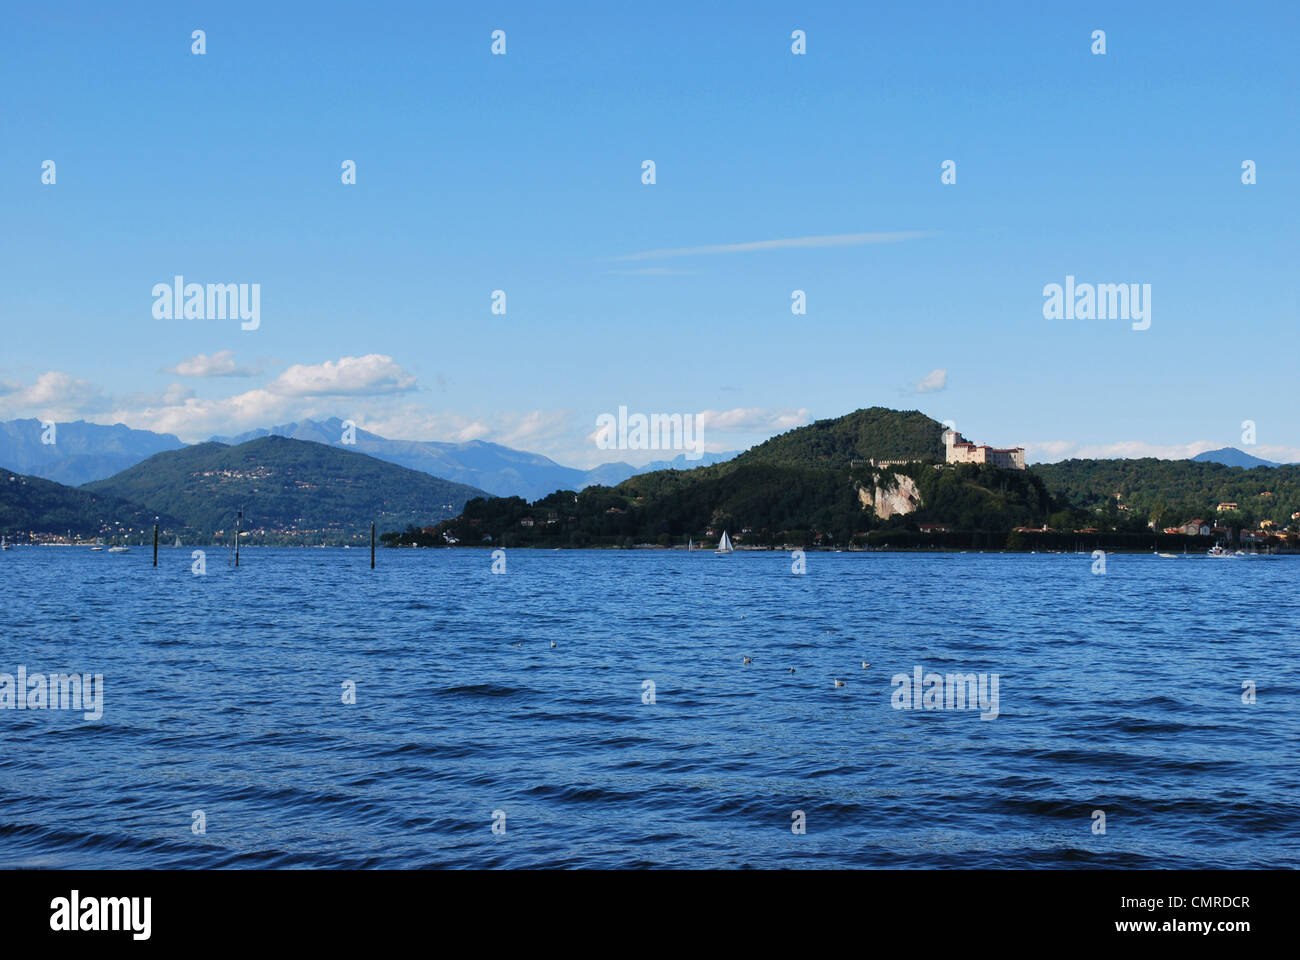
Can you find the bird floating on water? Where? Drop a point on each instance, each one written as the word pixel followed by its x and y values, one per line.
pixel 792 669
pixel 553 642
pixel 747 659
pixel 839 682
pixel 865 664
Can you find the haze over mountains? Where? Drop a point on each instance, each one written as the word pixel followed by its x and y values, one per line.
pixel 501 471
pixel 85 452
pixel 81 452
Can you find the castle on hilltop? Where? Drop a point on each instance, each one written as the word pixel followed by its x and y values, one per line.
pixel 958 450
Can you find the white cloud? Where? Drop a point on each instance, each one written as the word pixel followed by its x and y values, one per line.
pixel 831 240
pixel 370 375
pixel 54 395
pixel 219 364
pixel 754 419
pixel 526 429
pixel 933 381
pixel 1275 453
pixel 717 431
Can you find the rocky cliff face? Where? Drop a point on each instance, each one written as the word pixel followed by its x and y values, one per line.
pixel 891 498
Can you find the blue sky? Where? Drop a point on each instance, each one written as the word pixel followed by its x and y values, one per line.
pixel 522 173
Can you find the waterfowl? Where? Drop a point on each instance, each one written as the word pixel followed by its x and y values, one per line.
pixel 865 664
pixel 747 659
pixel 839 682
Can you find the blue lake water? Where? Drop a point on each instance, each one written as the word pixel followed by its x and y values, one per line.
pixel 1119 692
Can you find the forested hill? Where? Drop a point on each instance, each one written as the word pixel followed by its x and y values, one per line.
pixel 285 487
pixel 875 432
pixel 1175 491
pixel 32 505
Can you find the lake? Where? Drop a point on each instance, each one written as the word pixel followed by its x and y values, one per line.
pixel 505 720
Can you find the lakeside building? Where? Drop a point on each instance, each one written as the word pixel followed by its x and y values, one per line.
pixel 958 450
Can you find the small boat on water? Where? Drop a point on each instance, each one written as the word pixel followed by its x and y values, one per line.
pixel 724 545
pixel 177 543
pixel 4 544
pixel 119 549
pixel 1218 550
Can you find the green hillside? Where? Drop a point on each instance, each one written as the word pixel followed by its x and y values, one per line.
pixel 1176 491
pixel 287 488
pixel 873 433
pixel 801 487
pixel 813 485
pixel 30 505
pixel 876 432
pixel 760 504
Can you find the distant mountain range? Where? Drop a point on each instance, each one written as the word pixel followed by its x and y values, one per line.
pixel 85 452
pixel 1232 457
pixel 501 471
pixel 81 451
pixel 289 488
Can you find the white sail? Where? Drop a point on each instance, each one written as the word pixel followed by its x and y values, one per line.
pixel 724 545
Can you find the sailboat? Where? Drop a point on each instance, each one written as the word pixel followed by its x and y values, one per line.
pixel 690 544
pixel 724 545
pixel 177 543
pixel 4 544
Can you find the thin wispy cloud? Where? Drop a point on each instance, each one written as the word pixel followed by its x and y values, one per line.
pixel 219 364
pixel 653 272
pixel 54 394
pixel 350 376
pixel 789 243
pixel 932 381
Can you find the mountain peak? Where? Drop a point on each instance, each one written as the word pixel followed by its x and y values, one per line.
pixel 1232 457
